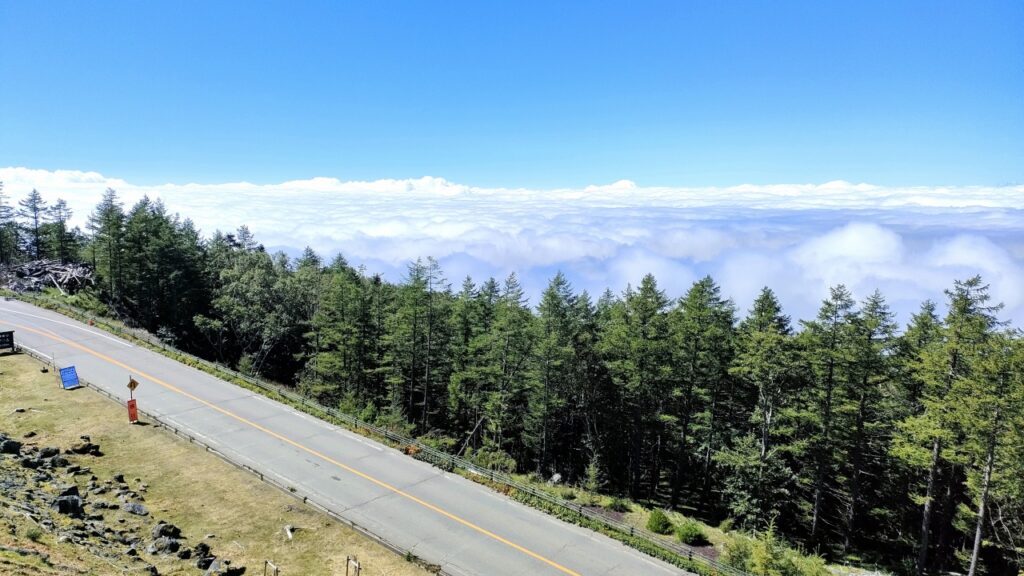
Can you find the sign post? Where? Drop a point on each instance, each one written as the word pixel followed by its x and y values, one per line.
pixel 133 408
pixel 69 378
pixel 7 340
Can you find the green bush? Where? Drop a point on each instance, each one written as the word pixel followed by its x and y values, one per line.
pixel 617 504
pixel 767 555
pixel 34 534
pixel 726 525
pixel 658 522
pixel 568 494
pixel 692 533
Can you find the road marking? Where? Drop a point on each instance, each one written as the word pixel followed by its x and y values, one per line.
pixel 306 449
pixel 93 332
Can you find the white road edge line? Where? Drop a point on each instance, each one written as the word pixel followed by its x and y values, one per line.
pixel 93 332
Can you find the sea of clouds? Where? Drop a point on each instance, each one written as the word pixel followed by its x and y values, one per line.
pixel 910 242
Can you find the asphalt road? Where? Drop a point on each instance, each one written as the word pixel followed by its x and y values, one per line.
pixel 442 517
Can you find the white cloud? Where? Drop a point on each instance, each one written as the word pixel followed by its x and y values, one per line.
pixel 911 242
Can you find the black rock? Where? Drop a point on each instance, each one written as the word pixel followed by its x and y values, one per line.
pixel 203 562
pixel 8 446
pixel 164 529
pixel 30 434
pixel 119 478
pixel 29 462
pixel 202 549
pixel 185 553
pixel 70 490
pixel 48 452
pixel 59 462
pixel 69 505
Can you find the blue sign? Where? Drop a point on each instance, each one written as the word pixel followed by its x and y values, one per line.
pixel 69 378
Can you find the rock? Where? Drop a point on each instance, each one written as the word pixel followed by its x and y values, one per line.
pixel 119 478
pixel 290 530
pixel 185 553
pixel 164 529
pixel 30 434
pixel 48 452
pixel 203 562
pixel 69 505
pixel 85 448
pixel 151 570
pixel 59 462
pixel 208 536
pixel 163 545
pixel 29 462
pixel 74 469
pixel 19 410
pixel 131 551
pixel 135 508
pixel 8 446
pixel 202 549
pixel 70 490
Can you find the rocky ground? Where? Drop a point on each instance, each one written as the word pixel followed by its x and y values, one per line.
pixel 52 490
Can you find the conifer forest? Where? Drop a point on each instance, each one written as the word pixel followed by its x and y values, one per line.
pixel 850 435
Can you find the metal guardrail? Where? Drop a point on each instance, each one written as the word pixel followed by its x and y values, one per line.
pixel 424 452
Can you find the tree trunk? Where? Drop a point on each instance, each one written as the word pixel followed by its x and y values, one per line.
pixel 929 507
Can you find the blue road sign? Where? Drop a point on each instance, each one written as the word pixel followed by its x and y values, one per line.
pixel 69 378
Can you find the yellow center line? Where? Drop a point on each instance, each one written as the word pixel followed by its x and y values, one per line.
pixel 363 475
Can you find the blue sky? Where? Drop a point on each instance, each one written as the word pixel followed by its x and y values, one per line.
pixel 535 94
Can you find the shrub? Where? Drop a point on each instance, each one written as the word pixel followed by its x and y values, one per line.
pixel 658 523
pixel 617 504
pixel 692 533
pixel 568 494
pixel 34 534
pixel 726 525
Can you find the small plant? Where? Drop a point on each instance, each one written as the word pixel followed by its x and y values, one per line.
pixel 617 504
pixel 658 522
pixel 692 533
pixel 568 494
pixel 726 525
pixel 34 534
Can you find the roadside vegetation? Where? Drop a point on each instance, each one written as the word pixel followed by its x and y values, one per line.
pixel 843 436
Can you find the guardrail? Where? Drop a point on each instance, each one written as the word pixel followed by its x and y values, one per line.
pixel 425 452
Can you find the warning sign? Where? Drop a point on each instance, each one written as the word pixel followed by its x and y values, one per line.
pixel 133 411
pixel 69 378
pixel 132 384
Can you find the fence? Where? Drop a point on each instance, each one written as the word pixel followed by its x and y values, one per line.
pixel 422 452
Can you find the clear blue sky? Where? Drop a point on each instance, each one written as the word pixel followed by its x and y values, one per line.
pixel 539 94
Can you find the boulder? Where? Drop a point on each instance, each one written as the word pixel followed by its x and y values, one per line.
pixel 69 505
pixel 8 446
pixel 69 490
pixel 163 545
pixel 135 508
pixel 164 529
pixel 48 452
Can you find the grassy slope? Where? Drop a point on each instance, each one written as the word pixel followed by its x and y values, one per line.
pixel 187 486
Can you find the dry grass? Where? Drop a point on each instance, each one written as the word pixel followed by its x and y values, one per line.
pixel 187 486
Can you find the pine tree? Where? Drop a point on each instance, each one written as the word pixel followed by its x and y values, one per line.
pixel 35 213
pixel 826 342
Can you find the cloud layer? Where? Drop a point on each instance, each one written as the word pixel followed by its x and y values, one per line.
pixel 799 239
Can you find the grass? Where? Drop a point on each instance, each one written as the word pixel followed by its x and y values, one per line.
pixel 246 515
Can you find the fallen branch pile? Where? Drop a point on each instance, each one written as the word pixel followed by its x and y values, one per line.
pixel 38 274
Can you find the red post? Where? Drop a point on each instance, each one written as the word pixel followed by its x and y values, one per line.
pixel 133 412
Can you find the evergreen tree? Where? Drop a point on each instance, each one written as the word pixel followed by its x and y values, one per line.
pixel 34 214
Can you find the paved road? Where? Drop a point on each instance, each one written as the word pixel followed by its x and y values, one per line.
pixel 442 517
